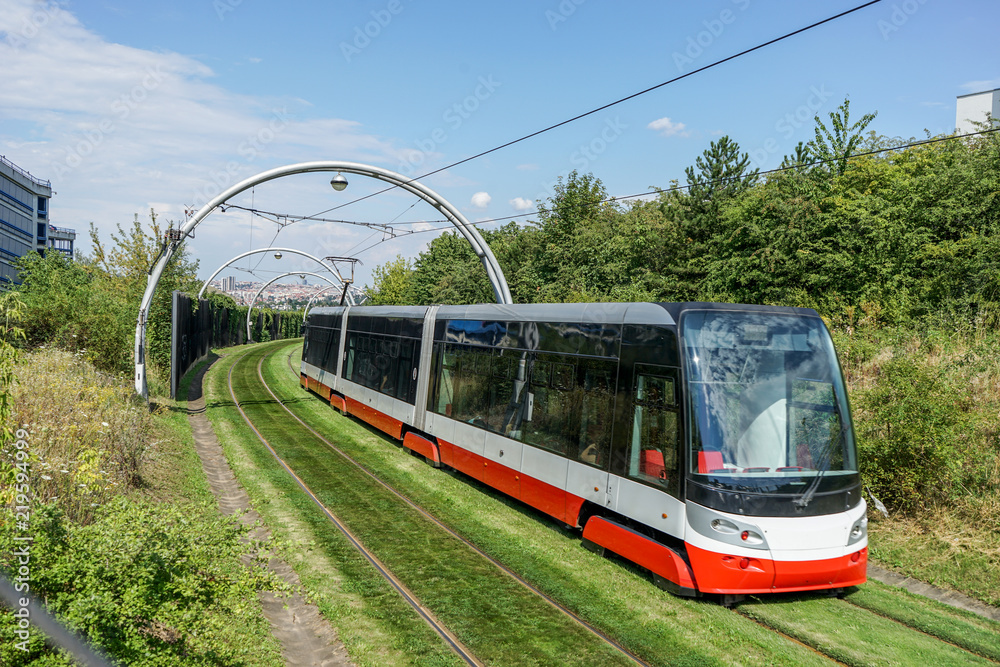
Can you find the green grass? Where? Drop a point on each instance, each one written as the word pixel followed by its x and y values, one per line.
pixel 965 629
pixel 943 550
pixel 372 621
pixel 175 474
pixel 855 636
pixel 497 618
pixel 661 628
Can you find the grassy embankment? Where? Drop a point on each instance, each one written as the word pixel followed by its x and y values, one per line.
pixel 129 547
pixel 927 411
pixel 605 592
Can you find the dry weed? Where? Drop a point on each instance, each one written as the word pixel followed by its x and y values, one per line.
pixel 88 435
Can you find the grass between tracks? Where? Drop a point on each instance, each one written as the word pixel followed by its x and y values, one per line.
pixel 625 605
pixel 659 627
pixel 491 614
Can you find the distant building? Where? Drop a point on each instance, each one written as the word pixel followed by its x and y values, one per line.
pixel 972 108
pixel 24 213
pixel 229 284
pixel 61 239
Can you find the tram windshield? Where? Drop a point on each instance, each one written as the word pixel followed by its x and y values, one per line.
pixel 767 399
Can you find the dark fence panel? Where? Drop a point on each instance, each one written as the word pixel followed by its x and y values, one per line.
pixel 195 331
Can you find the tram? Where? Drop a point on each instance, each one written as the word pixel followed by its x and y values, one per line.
pixel 708 443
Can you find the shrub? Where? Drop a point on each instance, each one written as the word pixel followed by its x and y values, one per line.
pixel 151 584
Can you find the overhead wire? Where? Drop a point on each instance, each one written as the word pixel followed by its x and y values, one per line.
pixel 611 104
pixel 723 181
pixel 583 115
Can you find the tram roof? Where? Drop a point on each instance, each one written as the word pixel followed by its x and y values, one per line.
pixel 628 313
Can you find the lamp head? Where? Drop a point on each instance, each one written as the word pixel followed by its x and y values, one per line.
pixel 338 182
pixel 277 255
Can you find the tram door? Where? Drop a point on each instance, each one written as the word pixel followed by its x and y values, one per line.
pixel 648 488
pixel 652 452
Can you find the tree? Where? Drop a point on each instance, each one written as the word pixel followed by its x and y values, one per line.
pixel 718 177
pixel 839 144
pixel 801 156
pixel 390 283
pixel 127 264
pixel 578 205
pixel 449 272
pixel 722 173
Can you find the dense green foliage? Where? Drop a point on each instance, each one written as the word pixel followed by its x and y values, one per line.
pixel 887 247
pixel 896 237
pixel 152 584
pixel 90 305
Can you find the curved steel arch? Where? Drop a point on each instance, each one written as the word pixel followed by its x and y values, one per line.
pixel 471 234
pixel 331 269
pixel 274 280
pixel 313 298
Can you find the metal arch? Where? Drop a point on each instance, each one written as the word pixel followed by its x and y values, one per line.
pixel 274 280
pixel 471 234
pixel 331 269
pixel 313 298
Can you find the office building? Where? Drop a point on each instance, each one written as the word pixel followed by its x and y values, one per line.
pixel 24 212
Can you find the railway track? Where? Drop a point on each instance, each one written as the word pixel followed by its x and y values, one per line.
pixel 462 651
pixel 778 617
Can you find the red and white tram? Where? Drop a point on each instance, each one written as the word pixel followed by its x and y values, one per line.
pixel 709 443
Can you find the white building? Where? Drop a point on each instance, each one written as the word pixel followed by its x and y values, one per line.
pixel 972 108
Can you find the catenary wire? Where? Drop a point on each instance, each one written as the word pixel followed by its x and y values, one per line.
pixel 721 181
pixel 614 103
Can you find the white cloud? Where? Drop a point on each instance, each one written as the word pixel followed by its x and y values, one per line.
pixel 481 199
pixel 521 204
pixel 980 86
pixel 118 129
pixel 527 167
pixel 668 128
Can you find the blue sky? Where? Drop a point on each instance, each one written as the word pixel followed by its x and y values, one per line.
pixel 130 106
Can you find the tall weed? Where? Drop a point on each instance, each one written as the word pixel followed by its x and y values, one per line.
pixel 927 412
pixel 88 435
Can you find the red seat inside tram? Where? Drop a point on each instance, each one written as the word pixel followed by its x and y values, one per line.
pixel 651 463
pixel 709 461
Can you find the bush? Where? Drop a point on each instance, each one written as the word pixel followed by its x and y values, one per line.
pixel 925 409
pixel 89 435
pixel 150 584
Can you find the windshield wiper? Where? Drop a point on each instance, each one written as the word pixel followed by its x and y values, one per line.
pixel 806 496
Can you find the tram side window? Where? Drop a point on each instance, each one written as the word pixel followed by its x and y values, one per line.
pixel 471 385
pixel 382 363
pixel 552 423
pixel 598 402
pixel 444 395
pixel 505 395
pixel 652 455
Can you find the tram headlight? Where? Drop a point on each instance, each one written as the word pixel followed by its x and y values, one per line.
pixel 859 531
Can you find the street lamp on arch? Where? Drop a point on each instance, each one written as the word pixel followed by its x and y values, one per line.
pixel 338 182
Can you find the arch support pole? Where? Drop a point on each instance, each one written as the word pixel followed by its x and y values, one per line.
pixel 471 234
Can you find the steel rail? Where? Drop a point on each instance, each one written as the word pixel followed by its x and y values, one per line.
pixel 437 522
pixel 403 591
pixel 923 632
